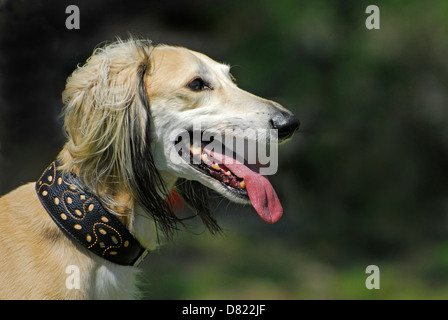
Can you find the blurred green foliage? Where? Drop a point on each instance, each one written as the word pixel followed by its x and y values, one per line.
pixel 250 267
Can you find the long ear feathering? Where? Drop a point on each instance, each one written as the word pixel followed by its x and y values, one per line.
pixel 107 123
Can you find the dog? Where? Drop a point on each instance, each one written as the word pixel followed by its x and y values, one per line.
pixel 81 230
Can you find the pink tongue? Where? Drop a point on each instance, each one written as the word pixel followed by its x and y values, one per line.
pixel 261 194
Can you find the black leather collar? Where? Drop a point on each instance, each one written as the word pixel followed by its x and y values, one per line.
pixel 82 217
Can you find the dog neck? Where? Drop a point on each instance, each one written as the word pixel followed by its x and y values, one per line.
pixel 169 180
pixel 131 214
pixel 142 226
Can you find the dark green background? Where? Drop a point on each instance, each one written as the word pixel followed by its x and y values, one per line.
pixel 363 182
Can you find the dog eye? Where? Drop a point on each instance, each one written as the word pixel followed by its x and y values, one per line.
pixel 198 84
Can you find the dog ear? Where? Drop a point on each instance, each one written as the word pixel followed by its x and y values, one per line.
pixel 147 184
pixel 99 99
pixel 107 122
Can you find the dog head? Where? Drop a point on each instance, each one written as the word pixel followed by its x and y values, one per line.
pixel 141 119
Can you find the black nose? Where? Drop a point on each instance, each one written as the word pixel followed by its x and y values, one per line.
pixel 286 123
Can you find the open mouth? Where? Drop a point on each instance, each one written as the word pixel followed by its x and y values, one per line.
pixel 239 178
pixel 205 162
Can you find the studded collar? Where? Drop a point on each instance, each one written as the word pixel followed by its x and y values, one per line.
pixel 82 217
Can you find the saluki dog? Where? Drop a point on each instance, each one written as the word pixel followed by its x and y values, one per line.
pixel 81 230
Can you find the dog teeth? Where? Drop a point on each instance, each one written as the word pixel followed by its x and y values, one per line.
pixel 228 173
pixel 215 166
pixel 204 158
pixel 243 184
pixel 195 150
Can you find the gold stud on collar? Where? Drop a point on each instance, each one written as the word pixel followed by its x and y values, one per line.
pixel 82 217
